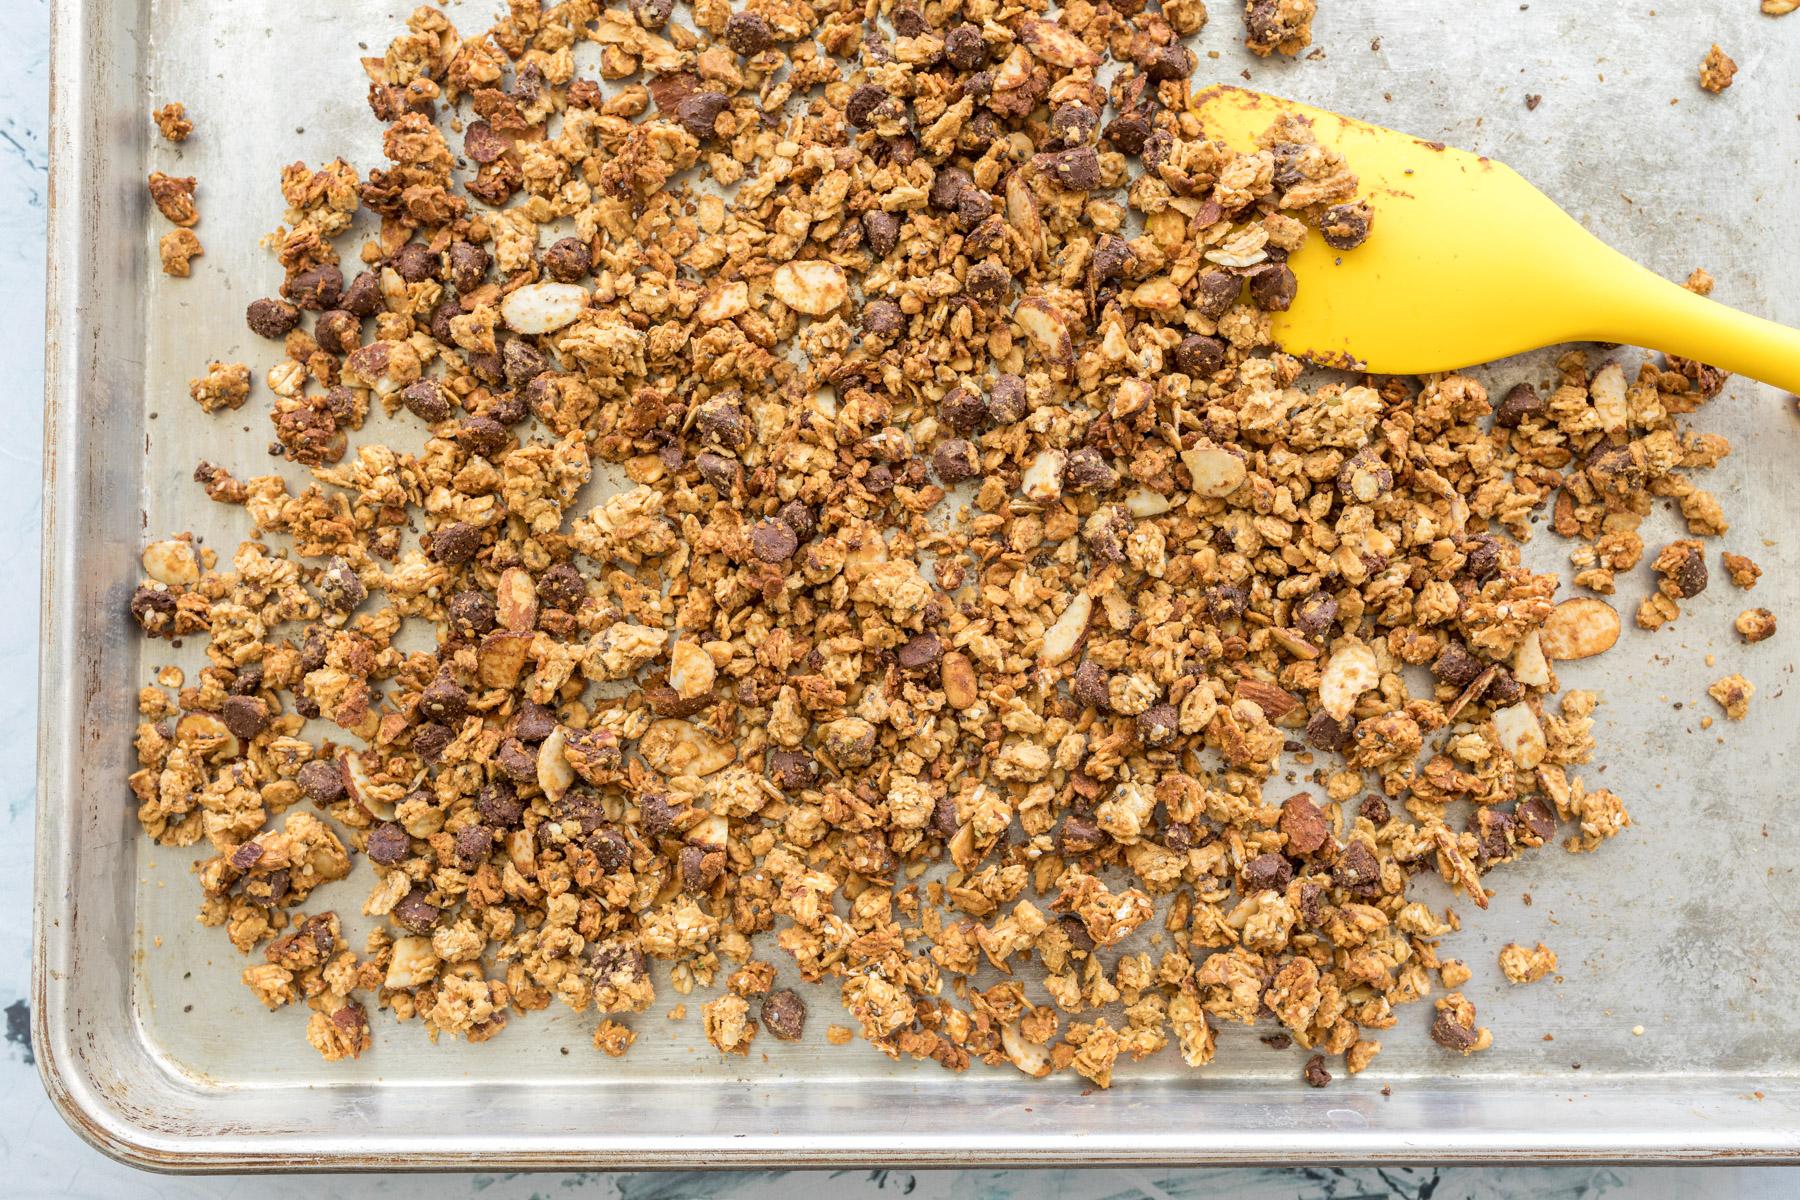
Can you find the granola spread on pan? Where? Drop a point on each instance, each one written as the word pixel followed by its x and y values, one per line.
pixel 860 527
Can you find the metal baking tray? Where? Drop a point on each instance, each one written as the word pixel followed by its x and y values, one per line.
pixel 1685 928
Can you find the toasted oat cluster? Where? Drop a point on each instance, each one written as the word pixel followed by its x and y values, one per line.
pixel 861 526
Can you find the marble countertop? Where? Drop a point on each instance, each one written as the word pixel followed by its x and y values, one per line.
pixel 42 1157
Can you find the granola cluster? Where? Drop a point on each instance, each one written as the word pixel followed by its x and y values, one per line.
pixel 844 538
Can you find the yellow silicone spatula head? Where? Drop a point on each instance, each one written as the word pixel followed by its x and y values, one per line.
pixel 1467 262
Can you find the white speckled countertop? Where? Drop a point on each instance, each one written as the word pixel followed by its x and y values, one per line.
pixel 41 1157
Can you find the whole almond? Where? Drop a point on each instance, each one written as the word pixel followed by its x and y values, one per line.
pixel 515 600
pixel 958 676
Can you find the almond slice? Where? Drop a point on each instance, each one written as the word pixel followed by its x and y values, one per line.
pixel 1029 1057
pixel 813 287
pixel 1349 672
pixel 1520 735
pixel 1579 628
pixel 554 774
pixel 542 307
pixel 1607 391
pixel 1062 637
pixel 1047 328
pixel 691 670
pixel 172 562
pixel 1043 478
pixel 1055 45
pixel 1216 471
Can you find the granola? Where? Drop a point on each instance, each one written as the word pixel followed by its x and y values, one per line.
pixel 172 121
pixel 987 618
pixel 1717 70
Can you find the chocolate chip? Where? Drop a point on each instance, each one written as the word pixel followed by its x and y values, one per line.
pixel 701 867
pixel 792 770
pixel 1537 818
pixel 909 22
pixel 1076 930
pixel 882 229
pixel 1448 1032
pixel 1346 226
pixel 1503 689
pixel 1077 169
pixel 773 541
pixel 1325 732
pixel 784 1015
pixel 246 856
pixel 316 288
pixel 943 817
pixel 1073 124
pixel 468 265
pixel 1111 257
pixel 860 109
pixel 955 460
pixel 964 48
pixel 652 14
pixel 532 722
pixel 1315 615
pixel 1455 666
pixel 482 144
pixel 988 282
pixel 1481 556
pixel 1087 471
pixel 442 700
pixel 1128 132
pixel 747 33
pixel 516 762
pixel 522 362
pixel 312 651
pixel 1227 601
pixel 426 400
pixel 1199 356
pixel 698 113
pixel 471 613
pixel 1090 685
pixel 725 474
pixel 610 850
pixel 416 914
pixel 388 844
pixel 801 519
pixel 973 206
pixel 455 543
pixel 1267 871
pixel 431 739
pixel 1215 292
pixel 245 716
pixel 483 435
pixel 920 652
pixel 1521 401
pixel 1356 868
pixel 500 806
pixel 1273 286
pixel 414 263
pixel 1689 576
pixel 1105 533
pixel 271 318
pixel 322 781
pixel 437 322
pixel 561 586
pixel 248 680
pixel 1315 1073
pixel 658 814
pixel 883 318
pixel 1305 826
pixel 340 589
pixel 962 410
pixel 720 418
pixel 567 260
pixel 1375 810
pixel 1158 724
pixel 1169 62
pixel 1006 401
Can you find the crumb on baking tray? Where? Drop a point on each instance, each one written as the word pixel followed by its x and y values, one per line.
pixel 172 121
pixel 1526 965
pixel 178 248
pixel 1278 26
pixel 1733 695
pixel 974 568
pixel 1717 70
pixel 1755 624
pixel 1742 572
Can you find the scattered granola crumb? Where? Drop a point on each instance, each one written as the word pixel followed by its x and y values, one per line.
pixel 1733 695
pixel 178 248
pixel 1699 282
pixel 1454 973
pixel 172 121
pixel 225 385
pixel 1278 26
pixel 676 1013
pixel 1455 1027
pixel 1532 100
pixel 613 1039
pixel 1717 70
pixel 1779 8
pixel 1755 624
pixel 174 198
pixel 1520 965
pixel 839 1035
pixel 1743 572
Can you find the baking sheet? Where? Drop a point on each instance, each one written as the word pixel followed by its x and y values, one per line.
pixel 1684 926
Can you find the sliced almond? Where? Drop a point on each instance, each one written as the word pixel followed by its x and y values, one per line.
pixel 1579 628
pixel 1520 735
pixel 1530 667
pixel 1142 502
pixel 1607 391
pixel 813 287
pixel 1047 328
pixel 677 747
pixel 515 600
pixel 554 774
pixel 1051 43
pixel 1062 637
pixel 208 736
pixel 958 675
pixel 691 670
pixel 542 307
pixel 1156 295
pixel 413 963
pixel 1349 672
pixel 172 562
pixel 361 785
pixel 1216 471
pixel 1132 396
pixel 1029 1057
pixel 710 830
pixel 724 302
pixel 1043 478
pixel 501 659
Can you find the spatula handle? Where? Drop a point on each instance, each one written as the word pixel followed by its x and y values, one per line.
pixel 1650 311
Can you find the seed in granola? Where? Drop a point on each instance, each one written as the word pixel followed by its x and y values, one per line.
pixel 338 331
pixel 784 1015
pixel 1346 226
pixel 567 260
pixel 955 460
pixel 271 318
pixel 315 288
pixel 245 716
pixel 748 34
pixel 1356 869
pixel 388 844
pixel 415 913
pixel 1077 169
pixel 322 781
pixel 1267 871
pixel 442 700
pixel 1198 356
pixel 455 543
pixel 1272 287
pixel 1521 403
pixel 1315 1073
pixel 1006 400
pixel 773 541
pixel 962 410
pixel 1169 62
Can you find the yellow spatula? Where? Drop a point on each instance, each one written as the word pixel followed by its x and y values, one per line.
pixel 1467 262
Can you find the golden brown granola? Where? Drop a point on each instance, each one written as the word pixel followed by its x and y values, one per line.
pixel 1521 964
pixel 1733 695
pixel 968 602
pixel 172 121
pixel 178 248
pixel 1717 70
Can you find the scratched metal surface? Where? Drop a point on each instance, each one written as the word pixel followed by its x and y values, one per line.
pixel 1681 927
